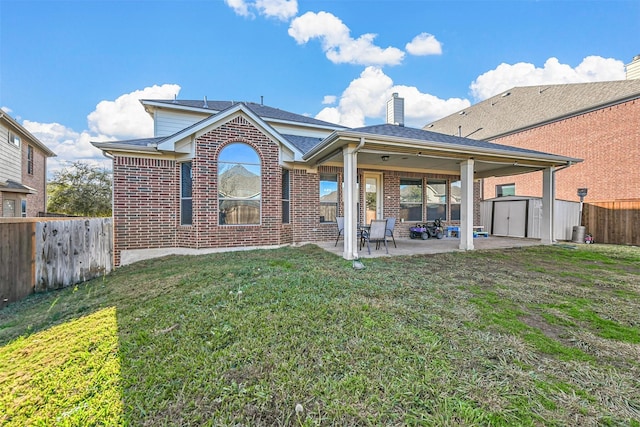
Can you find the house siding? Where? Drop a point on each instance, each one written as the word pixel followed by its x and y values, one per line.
pixel 607 139
pixel 10 157
pixel 169 122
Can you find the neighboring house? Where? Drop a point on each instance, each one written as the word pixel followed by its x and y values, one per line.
pixel 220 174
pixel 23 170
pixel 598 122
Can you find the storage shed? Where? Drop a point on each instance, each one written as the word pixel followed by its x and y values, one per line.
pixel 520 216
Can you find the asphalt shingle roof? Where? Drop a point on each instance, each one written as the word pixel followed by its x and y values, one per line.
pixel 524 107
pixel 425 135
pixel 302 143
pixel 261 110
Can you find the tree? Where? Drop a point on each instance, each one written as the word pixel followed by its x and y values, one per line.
pixel 80 189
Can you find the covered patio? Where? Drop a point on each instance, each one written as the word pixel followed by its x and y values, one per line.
pixel 408 247
pixel 399 148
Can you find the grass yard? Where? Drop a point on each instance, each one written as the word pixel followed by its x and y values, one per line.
pixel 546 335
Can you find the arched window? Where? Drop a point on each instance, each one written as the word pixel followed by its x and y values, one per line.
pixel 239 185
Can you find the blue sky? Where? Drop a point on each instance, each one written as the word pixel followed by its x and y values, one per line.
pixel 72 71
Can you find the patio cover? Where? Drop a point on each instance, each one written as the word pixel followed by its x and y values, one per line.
pixel 417 150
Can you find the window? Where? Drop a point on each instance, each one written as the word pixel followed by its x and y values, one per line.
pixel 186 184
pixel 436 200
pixel 30 159
pixel 505 190
pixel 239 185
pixel 456 197
pixel 328 197
pixel 411 199
pixel 14 139
pixel 24 208
pixel 285 196
pixel 9 208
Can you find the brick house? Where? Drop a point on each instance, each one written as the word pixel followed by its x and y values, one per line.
pixel 23 170
pixel 221 174
pixel 598 122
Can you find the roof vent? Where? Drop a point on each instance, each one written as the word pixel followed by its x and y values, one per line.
pixel 205 105
pixel 395 110
pixel 506 94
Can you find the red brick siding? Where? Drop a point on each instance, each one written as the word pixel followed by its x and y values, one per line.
pixel 209 234
pixel 607 139
pixel 35 202
pixel 145 204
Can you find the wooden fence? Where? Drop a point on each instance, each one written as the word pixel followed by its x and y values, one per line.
pixel 38 254
pixel 614 222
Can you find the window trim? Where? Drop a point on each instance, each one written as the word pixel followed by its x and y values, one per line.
pixel 30 155
pixel 321 203
pixel 14 139
pixel 419 182
pixel 430 183
pixel 286 196
pixel 222 199
pixel 184 198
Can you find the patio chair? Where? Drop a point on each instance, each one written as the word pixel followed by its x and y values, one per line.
pixel 377 233
pixel 391 223
pixel 340 221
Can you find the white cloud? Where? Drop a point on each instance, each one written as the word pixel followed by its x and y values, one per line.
pixel 279 9
pixel 424 44
pixel 506 76
pixel 240 7
pixel 69 145
pixel 329 99
pixel 366 98
pixel 337 43
pixel 125 117
pixel 6 109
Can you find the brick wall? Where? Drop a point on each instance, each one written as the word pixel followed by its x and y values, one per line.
pixel 145 204
pixel 147 198
pixel 35 202
pixel 607 139
pixel 209 234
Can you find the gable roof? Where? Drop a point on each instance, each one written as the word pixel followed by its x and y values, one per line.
pixel 521 108
pixel 168 143
pixel 261 110
pixel 18 127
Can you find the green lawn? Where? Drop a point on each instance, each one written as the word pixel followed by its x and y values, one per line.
pixel 547 335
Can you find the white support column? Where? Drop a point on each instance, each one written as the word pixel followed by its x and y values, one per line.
pixel 466 205
pixel 548 200
pixel 350 167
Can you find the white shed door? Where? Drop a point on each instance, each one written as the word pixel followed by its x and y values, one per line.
pixel 510 218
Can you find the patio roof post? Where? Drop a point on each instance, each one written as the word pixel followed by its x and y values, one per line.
pixel 350 169
pixel 466 205
pixel 548 200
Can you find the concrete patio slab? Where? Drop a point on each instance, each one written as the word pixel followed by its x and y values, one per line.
pixel 432 246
